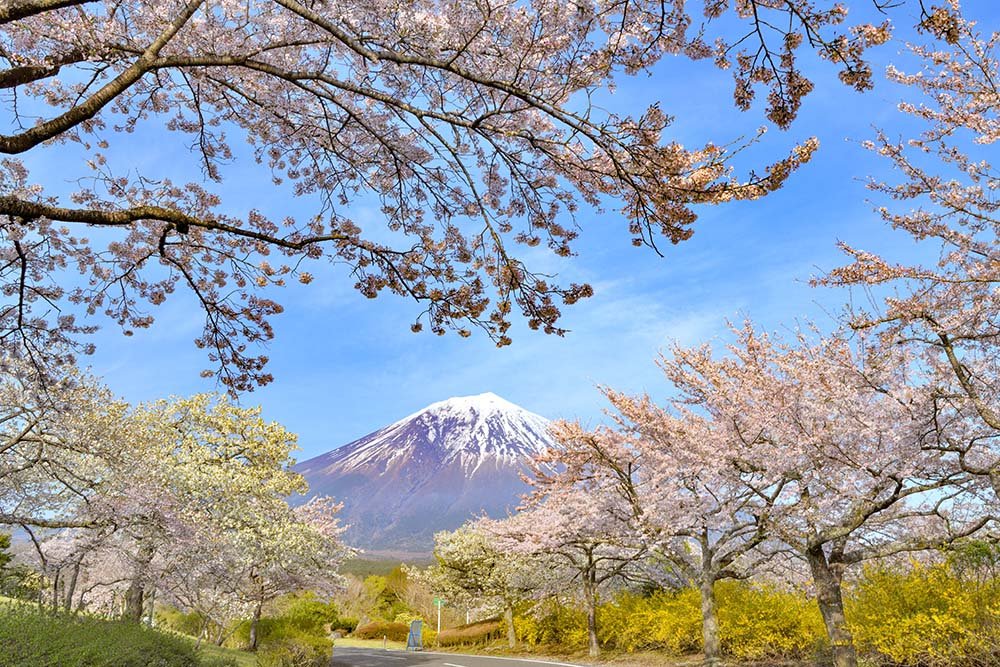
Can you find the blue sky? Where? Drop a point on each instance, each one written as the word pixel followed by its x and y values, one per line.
pixel 345 365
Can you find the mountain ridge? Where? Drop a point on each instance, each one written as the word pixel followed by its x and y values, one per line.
pixel 431 470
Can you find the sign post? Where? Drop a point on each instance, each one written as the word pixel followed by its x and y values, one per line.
pixel 439 602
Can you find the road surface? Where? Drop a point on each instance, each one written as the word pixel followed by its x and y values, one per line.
pixel 364 657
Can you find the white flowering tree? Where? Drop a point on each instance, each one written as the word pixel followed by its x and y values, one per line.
pixel 473 569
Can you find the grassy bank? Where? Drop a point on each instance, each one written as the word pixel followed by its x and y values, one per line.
pixel 29 636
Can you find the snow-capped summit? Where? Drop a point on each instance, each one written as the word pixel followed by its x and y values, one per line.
pixel 430 471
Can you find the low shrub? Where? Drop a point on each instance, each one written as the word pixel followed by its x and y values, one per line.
pixel 553 624
pixel 763 623
pixel 187 623
pixel 298 651
pixel 300 617
pixel 307 612
pixel 481 632
pixel 665 621
pixel 30 637
pixel 345 624
pixel 397 632
pixel 757 623
pixel 926 615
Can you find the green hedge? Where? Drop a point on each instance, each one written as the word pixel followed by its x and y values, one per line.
pixel 30 637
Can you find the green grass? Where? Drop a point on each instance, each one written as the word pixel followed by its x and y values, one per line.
pixel 210 651
pixel 242 658
pixel 14 602
pixel 365 567
pixel 29 636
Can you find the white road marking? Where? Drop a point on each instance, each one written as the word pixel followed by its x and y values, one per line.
pixel 451 664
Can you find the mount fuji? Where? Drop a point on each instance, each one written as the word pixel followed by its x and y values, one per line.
pixel 430 471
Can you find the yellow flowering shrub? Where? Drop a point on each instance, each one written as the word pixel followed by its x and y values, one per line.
pixel 554 624
pixel 665 621
pixel 756 623
pixel 760 622
pixel 926 616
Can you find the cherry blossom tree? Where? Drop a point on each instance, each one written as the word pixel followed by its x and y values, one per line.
pixel 672 468
pixel 57 437
pixel 944 197
pixel 473 127
pixel 300 550
pixel 839 459
pixel 201 468
pixel 585 527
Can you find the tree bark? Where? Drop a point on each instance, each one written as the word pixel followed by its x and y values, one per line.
pixel 508 617
pixel 152 607
pixel 829 594
pixel 220 636
pixel 254 623
pixel 80 605
pixel 590 593
pixel 71 587
pixel 55 591
pixel 134 597
pixel 710 621
pixel 136 593
pixel 202 633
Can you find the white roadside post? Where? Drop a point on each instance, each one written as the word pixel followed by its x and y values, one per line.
pixel 439 602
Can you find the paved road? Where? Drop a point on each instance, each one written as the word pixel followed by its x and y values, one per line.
pixel 363 657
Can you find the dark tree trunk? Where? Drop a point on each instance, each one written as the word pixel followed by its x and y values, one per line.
pixel 55 591
pixel 829 594
pixel 152 607
pixel 135 596
pixel 203 634
pixel 711 648
pixel 80 604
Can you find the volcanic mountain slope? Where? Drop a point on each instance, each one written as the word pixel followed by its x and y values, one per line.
pixel 431 471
